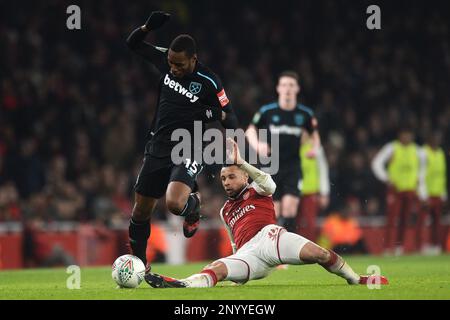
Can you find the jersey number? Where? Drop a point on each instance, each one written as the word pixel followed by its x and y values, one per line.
pixel 191 166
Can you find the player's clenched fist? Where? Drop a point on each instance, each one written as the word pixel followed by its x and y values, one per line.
pixel 156 20
pixel 233 153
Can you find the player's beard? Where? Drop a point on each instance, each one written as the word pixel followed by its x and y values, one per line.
pixel 237 193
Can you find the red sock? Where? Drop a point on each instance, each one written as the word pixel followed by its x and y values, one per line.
pixel 212 274
pixel 332 261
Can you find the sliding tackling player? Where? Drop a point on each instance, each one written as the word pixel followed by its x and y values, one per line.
pixel 258 243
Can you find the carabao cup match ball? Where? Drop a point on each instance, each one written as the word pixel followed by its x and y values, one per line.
pixel 128 271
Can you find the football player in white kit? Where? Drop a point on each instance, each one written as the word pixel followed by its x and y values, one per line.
pixel 259 245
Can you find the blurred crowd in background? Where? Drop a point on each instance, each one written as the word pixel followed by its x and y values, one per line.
pixel 75 106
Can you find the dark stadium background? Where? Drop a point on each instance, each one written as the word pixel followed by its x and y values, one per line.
pixel 75 107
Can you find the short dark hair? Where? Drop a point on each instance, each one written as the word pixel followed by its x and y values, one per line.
pixel 186 43
pixel 405 128
pixel 290 74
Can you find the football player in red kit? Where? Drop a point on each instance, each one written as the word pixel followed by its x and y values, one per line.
pixel 259 245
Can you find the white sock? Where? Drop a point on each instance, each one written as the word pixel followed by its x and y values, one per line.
pixel 347 273
pixel 342 269
pixel 199 280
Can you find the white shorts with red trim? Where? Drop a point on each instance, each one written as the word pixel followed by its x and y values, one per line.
pixel 270 247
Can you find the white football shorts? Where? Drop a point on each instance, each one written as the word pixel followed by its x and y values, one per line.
pixel 270 247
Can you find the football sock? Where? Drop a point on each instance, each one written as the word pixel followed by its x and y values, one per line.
pixel 205 279
pixel 190 205
pixel 139 232
pixel 339 267
pixel 289 224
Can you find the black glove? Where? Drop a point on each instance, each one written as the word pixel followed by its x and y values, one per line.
pixel 209 114
pixel 230 121
pixel 156 20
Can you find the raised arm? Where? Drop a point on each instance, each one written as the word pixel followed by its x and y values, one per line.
pixel 263 182
pixel 135 41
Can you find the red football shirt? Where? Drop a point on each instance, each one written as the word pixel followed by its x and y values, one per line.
pixel 247 214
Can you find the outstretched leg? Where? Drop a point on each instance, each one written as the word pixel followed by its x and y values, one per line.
pixel 295 249
pixel 333 263
pixel 208 277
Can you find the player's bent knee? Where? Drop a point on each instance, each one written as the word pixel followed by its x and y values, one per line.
pixel 290 246
pixel 175 205
pixel 289 211
pixel 289 205
pixel 237 270
pixel 177 195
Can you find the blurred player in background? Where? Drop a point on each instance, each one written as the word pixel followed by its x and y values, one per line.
pixel 258 243
pixel 285 118
pixel 433 193
pixel 188 92
pixel 403 160
pixel 314 187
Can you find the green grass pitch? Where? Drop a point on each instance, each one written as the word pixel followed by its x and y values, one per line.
pixel 411 277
